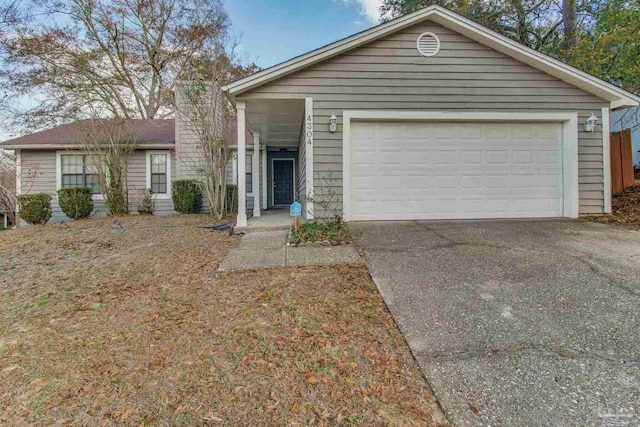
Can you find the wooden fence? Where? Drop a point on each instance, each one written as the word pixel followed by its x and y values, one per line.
pixel 622 174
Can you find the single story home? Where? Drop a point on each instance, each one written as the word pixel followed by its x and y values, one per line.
pixel 56 158
pixel 428 116
pixel 53 159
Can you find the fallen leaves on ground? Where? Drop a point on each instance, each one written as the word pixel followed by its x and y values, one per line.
pixel 625 207
pixel 139 329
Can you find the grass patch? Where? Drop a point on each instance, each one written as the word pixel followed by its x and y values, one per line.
pixel 42 302
pixel 153 335
pixel 321 230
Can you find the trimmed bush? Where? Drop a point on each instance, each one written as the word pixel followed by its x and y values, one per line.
pixel 187 196
pixel 232 199
pixel 76 202
pixel 35 208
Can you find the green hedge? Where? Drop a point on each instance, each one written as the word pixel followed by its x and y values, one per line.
pixel 35 208
pixel 76 202
pixel 187 196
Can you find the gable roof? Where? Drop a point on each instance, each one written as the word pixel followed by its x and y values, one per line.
pixel 619 98
pixel 149 133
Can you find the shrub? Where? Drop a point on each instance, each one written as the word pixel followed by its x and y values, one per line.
pixel 232 199
pixel 76 202
pixel 35 208
pixel 187 196
pixel 147 204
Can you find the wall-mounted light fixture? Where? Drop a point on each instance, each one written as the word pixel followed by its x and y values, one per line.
pixel 333 123
pixel 590 124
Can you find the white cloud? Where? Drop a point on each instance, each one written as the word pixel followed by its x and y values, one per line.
pixel 370 9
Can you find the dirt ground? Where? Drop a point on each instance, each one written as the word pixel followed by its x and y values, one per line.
pixel 103 325
pixel 626 208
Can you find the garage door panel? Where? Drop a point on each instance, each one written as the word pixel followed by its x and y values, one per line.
pixel 457 171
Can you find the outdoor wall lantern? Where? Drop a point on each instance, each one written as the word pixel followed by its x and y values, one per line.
pixel 333 123
pixel 590 125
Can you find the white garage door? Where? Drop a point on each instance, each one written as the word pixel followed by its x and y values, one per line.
pixel 419 170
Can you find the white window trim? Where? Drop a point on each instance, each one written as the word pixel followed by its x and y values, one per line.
pixel 569 122
pixel 149 153
pixel 235 170
pixel 59 155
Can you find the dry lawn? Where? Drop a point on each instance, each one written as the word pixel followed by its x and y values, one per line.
pixel 626 208
pixel 102 325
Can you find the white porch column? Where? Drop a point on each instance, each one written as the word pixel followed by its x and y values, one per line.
pixel 308 137
pixel 242 165
pixel 264 177
pixel 255 175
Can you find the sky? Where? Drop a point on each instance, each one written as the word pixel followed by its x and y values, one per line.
pixel 273 31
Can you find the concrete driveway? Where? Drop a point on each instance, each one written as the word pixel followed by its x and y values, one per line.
pixel 516 322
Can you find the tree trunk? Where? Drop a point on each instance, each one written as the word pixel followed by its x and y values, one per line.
pixel 570 18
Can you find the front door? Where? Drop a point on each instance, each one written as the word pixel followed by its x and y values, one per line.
pixel 282 182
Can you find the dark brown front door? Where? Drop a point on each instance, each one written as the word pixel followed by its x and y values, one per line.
pixel 282 182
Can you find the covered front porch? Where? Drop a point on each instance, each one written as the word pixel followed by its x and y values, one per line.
pixel 276 148
pixel 271 219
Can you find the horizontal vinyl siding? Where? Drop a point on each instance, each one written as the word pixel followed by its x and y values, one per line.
pixel 39 175
pixel 390 74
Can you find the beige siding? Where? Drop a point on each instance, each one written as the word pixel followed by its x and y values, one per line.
pixel 187 155
pixel 39 175
pixel 390 74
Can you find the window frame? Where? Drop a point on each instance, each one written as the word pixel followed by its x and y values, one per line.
pixel 59 154
pixel 234 164
pixel 148 155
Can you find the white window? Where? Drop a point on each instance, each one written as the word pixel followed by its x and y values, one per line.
pixel 76 170
pixel 248 172
pixel 159 173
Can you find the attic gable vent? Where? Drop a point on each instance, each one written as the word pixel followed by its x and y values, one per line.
pixel 428 44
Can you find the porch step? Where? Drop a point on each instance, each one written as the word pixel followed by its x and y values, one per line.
pixel 260 228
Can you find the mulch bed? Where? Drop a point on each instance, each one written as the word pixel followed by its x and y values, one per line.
pixel 626 208
pixel 103 325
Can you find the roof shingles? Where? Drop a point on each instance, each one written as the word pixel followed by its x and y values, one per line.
pixel 148 132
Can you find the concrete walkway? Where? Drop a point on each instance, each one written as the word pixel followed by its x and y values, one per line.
pixel 268 250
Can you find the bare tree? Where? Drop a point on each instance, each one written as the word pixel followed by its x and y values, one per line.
pixel 570 23
pixel 119 58
pixel 109 144
pixel 206 115
pixel 9 175
pixel 8 200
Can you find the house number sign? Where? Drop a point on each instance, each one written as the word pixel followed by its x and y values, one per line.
pixel 309 129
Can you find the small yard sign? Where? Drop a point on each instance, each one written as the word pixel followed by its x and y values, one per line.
pixel 296 209
pixel 296 212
